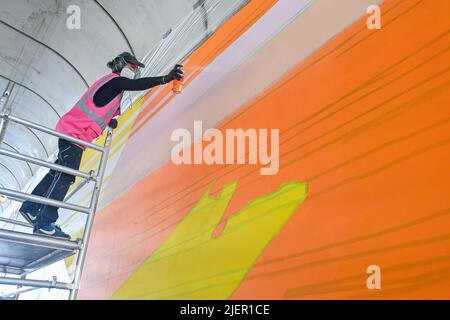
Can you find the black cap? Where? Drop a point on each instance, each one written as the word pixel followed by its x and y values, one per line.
pixel 129 58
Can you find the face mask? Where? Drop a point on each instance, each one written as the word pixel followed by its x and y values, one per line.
pixel 127 73
pixel 137 74
pixel 131 73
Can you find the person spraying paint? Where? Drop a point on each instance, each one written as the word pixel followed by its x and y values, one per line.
pixel 97 109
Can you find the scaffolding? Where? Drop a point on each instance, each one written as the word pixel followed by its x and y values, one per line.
pixel 23 253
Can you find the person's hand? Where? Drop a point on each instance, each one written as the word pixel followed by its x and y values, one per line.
pixel 175 74
pixel 113 124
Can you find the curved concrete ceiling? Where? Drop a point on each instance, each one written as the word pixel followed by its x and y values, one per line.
pixel 52 65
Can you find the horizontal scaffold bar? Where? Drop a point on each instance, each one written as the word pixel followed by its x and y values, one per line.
pixel 37 240
pixel 17 222
pixel 20 196
pixel 47 164
pixel 52 132
pixel 35 283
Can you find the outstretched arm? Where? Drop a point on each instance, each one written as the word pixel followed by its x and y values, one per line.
pixel 126 84
pixel 115 86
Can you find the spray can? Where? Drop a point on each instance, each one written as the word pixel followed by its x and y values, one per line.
pixel 177 86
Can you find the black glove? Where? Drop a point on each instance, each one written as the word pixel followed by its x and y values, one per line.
pixel 175 74
pixel 113 124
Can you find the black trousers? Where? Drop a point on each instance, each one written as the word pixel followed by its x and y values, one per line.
pixel 55 185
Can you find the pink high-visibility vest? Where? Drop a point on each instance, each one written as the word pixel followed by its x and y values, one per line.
pixel 86 121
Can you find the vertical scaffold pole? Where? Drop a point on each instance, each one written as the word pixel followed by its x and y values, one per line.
pixel 90 218
pixel 5 110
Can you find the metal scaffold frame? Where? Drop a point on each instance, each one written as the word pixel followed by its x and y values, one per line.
pixel 66 246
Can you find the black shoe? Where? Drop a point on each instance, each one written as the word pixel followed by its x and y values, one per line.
pixel 51 230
